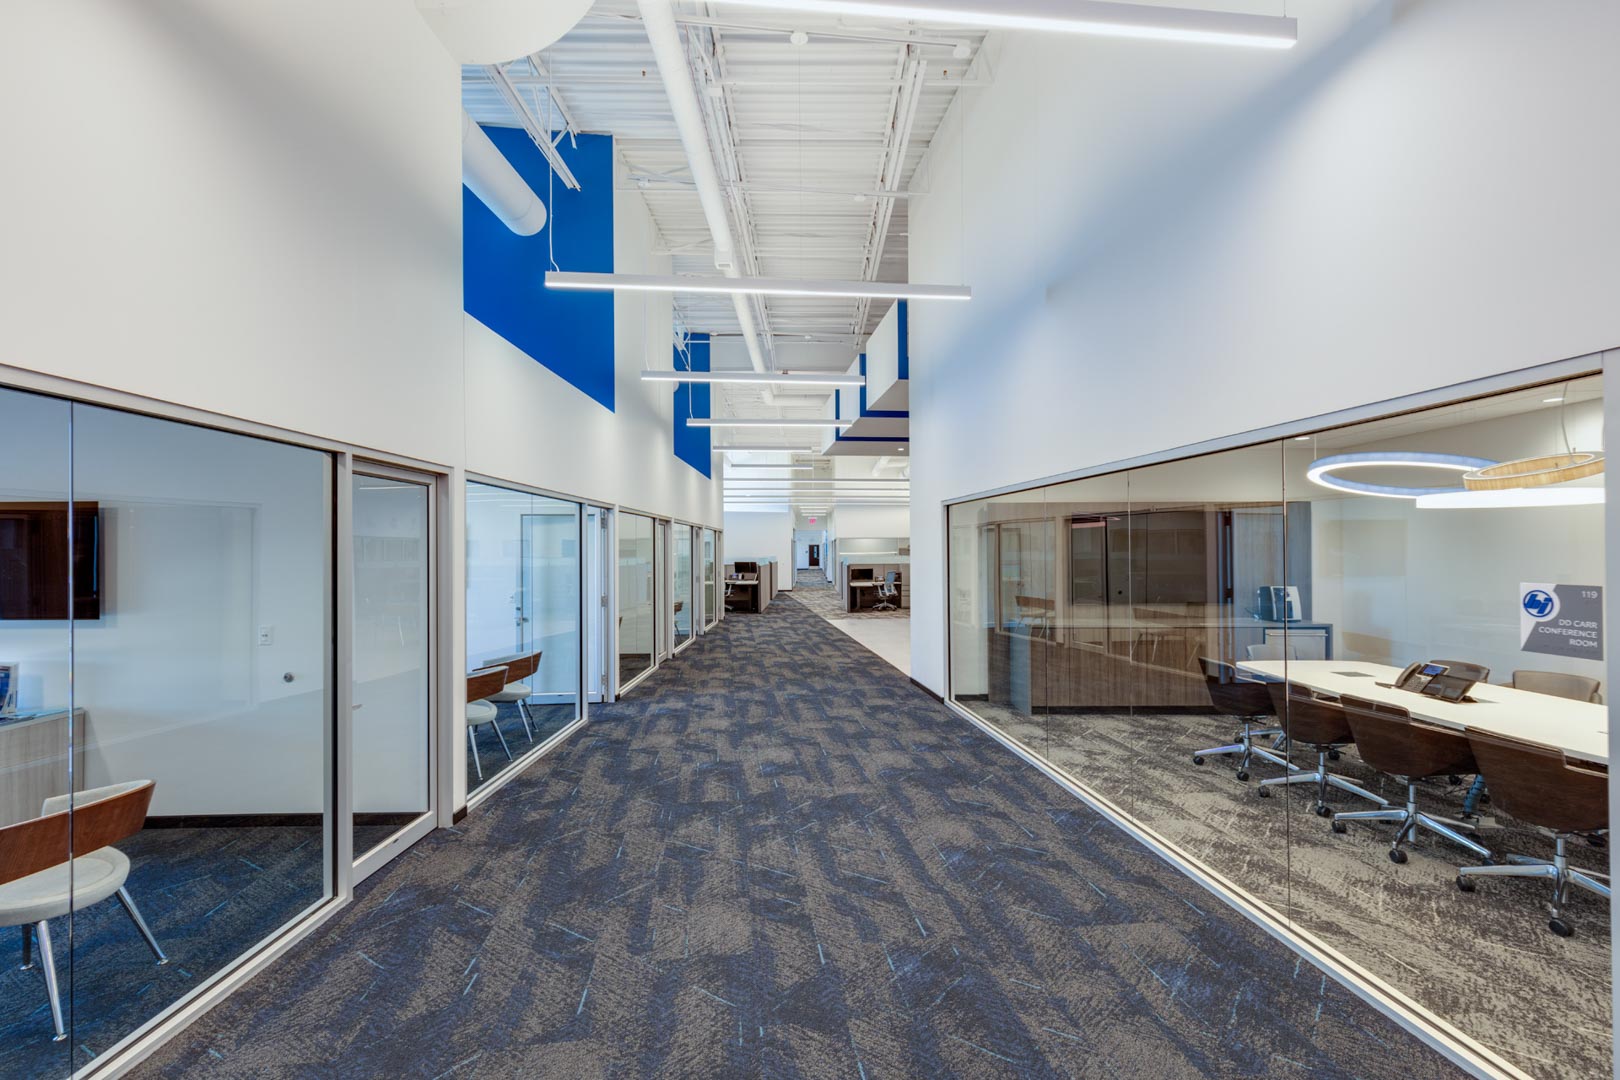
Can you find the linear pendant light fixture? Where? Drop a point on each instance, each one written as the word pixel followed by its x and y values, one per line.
pixel 767 422
pixel 1065 17
pixel 752 286
pixel 773 378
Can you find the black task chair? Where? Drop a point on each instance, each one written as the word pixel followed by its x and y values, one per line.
pixel 1388 739
pixel 1539 787
pixel 1321 725
pixel 1251 703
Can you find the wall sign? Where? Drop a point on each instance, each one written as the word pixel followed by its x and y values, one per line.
pixel 1561 620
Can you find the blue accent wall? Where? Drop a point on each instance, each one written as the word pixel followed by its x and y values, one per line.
pixel 695 446
pixel 503 274
pixel 905 339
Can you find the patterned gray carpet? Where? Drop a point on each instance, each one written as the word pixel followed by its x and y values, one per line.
pixel 825 600
pixel 761 865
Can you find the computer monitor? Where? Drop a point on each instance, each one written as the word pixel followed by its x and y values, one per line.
pixel 862 573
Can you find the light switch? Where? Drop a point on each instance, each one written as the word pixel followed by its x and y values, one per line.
pixel 267 635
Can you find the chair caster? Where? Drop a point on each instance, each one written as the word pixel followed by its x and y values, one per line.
pixel 1396 855
pixel 1340 827
pixel 1465 884
pixel 1598 840
pixel 1454 779
pixel 1560 927
pixel 1333 755
pixel 1243 774
pixel 1323 810
pixel 1198 759
pixel 1265 793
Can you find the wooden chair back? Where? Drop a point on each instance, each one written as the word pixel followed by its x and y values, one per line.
pixel 484 682
pixel 1536 785
pixel 518 667
pixel 1388 739
pixel 1309 719
pixel 1231 695
pixel 1557 684
pixel 52 839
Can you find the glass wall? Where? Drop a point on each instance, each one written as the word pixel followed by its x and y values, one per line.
pixel 638 617
pixel 711 581
pixel 1355 673
pixel 523 619
pixel 193 570
pixel 685 599
pixel 392 659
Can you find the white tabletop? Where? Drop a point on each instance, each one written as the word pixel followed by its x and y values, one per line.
pixel 1579 728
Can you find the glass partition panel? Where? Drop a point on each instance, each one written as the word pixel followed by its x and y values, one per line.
pixel 685 624
pixel 1363 688
pixel 711 587
pixel 37 722
pixel 201 673
pixel 523 616
pixel 637 600
pixel 392 659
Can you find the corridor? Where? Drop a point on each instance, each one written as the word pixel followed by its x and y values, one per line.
pixel 780 858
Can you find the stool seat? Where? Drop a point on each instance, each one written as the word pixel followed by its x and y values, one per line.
pixel 53 893
pixel 481 712
pixel 511 694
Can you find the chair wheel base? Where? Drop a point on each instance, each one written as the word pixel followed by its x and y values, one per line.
pixel 1464 884
pixel 1243 774
pixel 1396 855
pixel 1560 927
pixel 1198 759
pixel 1340 827
pixel 1265 793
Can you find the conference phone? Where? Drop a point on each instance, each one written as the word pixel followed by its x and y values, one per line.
pixel 1448 680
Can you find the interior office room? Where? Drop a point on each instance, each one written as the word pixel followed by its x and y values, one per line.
pixel 888 538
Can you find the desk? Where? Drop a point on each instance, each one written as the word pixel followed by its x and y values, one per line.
pixel 746 594
pixel 1579 728
pixel 33 760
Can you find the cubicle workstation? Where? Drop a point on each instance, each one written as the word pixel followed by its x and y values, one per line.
pixel 862 581
pixel 1355 673
pixel 750 585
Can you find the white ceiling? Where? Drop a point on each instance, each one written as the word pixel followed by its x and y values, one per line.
pixel 808 135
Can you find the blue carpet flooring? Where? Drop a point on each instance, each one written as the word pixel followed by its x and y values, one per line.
pixel 779 858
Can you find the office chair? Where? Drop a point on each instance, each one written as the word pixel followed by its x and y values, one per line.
pixel 887 592
pixel 1388 739
pixel 38 882
pixel 1539 787
pixel 479 712
pixel 1251 703
pixel 1552 683
pixel 1272 651
pixel 517 692
pixel 1321 725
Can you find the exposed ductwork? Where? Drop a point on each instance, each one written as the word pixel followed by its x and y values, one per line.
pixel 488 175
pixel 659 20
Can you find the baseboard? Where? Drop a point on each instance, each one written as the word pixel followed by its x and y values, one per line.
pixel 927 691
pixel 456 818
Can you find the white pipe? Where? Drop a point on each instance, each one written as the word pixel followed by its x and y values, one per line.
pixel 488 175
pixel 659 20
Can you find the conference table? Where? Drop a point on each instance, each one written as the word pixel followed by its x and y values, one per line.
pixel 1579 728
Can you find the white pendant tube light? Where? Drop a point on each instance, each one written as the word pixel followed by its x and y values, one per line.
pixel 753 286
pixel 747 448
pixel 793 468
pixel 742 378
pixel 1503 498
pixel 767 422
pixel 1065 17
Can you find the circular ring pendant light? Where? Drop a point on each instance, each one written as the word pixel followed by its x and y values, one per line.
pixel 1323 469
pixel 1534 472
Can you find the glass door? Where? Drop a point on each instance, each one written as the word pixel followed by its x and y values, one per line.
pixel 685 596
pixel 662 576
pixel 598 602
pixel 393 752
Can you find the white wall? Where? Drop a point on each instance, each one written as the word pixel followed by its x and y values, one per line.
pixel 877 522
pixel 223 208
pixel 1215 240
pixel 762 534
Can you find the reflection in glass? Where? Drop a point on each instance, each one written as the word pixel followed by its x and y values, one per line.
pixel 637 610
pixel 684 599
pixel 392 658
pixel 711 585
pixel 523 618
pixel 1205 643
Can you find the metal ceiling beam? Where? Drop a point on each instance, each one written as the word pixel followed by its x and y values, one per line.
pixel 544 78
pixel 531 124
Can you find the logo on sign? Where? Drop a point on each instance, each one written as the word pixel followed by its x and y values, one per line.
pixel 1540 604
